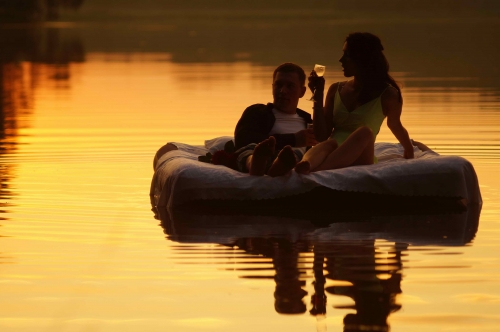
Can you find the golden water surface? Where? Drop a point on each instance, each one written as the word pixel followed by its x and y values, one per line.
pixel 81 251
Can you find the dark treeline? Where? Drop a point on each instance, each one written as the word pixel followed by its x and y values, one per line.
pixel 424 37
pixel 39 10
pixel 41 45
pixel 35 10
pixel 422 47
pixel 287 4
pixel 138 9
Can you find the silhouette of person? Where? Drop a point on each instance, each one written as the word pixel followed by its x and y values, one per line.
pixel 374 285
pixel 354 110
pixel 289 294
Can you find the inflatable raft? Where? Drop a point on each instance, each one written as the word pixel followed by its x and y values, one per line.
pixel 181 180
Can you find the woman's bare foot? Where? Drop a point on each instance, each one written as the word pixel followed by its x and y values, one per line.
pixel 262 152
pixel 284 163
pixel 303 167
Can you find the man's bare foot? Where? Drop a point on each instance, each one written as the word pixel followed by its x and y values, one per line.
pixel 303 167
pixel 284 163
pixel 262 152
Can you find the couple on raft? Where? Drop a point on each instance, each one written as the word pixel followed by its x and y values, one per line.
pixel 272 139
pixel 275 139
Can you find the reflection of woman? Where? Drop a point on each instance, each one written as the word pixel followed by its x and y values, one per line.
pixel 358 262
pixel 354 110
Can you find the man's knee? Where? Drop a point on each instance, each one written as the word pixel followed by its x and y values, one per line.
pixel 161 151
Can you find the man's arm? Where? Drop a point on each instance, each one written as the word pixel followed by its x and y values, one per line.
pixel 256 123
pixel 254 127
pixel 305 138
pixel 283 140
pixel 251 128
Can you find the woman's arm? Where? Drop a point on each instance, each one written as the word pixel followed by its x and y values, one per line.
pixel 323 115
pixel 392 108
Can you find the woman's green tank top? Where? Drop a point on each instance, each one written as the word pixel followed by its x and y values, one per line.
pixel 345 123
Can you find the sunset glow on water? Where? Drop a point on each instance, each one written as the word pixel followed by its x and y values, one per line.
pixel 81 251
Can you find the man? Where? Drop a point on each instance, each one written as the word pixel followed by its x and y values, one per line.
pixel 271 138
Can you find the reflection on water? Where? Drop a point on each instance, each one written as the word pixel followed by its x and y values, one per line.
pixel 375 274
pixel 14 99
pixel 360 260
pixel 85 106
pixel 30 58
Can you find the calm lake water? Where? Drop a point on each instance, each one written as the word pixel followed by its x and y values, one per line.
pixel 86 106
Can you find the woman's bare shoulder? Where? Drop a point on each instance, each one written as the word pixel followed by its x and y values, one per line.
pixel 333 89
pixel 390 93
pixel 391 101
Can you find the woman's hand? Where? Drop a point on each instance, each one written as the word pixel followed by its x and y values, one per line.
pixel 316 84
pixel 408 154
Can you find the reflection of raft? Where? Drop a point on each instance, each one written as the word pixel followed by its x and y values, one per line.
pixel 450 229
pixel 429 181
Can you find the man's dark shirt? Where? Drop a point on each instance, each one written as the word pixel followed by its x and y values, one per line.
pixel 257 121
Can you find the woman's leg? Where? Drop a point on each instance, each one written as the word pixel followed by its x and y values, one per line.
pixel 358 149
pixel 316 155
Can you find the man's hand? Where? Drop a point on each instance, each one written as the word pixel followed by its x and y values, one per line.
pixel 305 138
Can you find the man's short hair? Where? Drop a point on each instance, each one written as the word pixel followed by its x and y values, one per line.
pixel 289 67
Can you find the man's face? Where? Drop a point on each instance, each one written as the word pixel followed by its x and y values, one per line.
pixel 287 91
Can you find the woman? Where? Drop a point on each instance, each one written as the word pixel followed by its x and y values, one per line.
pixel 354 110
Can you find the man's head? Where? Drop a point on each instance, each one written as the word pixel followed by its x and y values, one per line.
pixel 288 87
